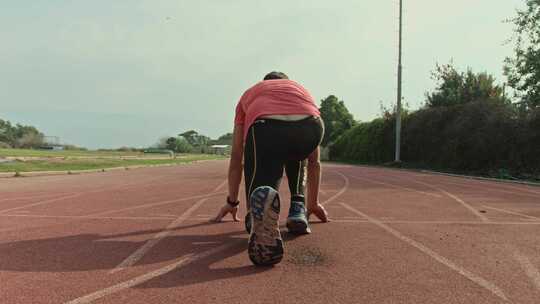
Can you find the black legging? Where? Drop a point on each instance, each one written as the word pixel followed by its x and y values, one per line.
pixel 272 145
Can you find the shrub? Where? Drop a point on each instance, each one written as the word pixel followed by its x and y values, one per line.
pixel 483 136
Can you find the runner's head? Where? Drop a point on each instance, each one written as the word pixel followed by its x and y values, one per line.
pixel 275 75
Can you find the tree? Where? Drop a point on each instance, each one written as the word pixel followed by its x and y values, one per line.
pixel 523 70
pixel 194 138
pixel 30 140
pixel 176 144
pixel 337 119
pixel 170 143
pixel 20 135
pixel 454 87
pixel 225 139
pixel 7 132
pixel 182 146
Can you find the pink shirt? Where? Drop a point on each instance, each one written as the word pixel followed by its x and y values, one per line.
pixel 273 97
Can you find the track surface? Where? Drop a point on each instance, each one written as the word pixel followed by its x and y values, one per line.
pixel 143 236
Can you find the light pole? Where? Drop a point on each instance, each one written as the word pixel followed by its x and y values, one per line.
pixel 398 108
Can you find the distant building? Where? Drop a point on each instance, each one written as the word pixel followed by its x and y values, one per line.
pixel 51 143
pixel 220 149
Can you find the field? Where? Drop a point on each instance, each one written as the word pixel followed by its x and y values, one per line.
pixel 44 160
pixel 65 153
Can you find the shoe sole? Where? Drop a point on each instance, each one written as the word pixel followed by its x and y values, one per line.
pixel 298 226
pixel 265 245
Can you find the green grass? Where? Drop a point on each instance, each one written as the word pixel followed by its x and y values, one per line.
pixel 70 164
pixel 65 153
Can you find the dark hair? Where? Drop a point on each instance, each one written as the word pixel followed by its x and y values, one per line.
pixel 275 75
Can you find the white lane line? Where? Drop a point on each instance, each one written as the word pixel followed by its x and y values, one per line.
pixel 436 222
pixel 457 199
pixel 139 253
pixel 223 184
pixel 186 260
pixel 397 186
pixel 158 203
pixel 205 219
pixel 350 221
pixel 164 215
pixel 30 197
pixel 90 217
pixel 21 211
pixel 529 268
pixel 205 243
pixel 61 198
pixel 41 203
pixel 525 188
pixel 340 192
pixel 498 189
pixel 462 271
pixel 504 187
pixel 512 212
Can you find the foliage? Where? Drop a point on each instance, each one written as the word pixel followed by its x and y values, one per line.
pixel 176 144
pixel 182 146
pixel 454 88
pixel 121 149
pixel 337 119
pixel 485 135
pixel 523 70
pixel 170 143
pixel 366 142
pixel 478 136
pixel 225 139
pixel 29 140
pixel 20 136
pixel 194 138
pixel 192 142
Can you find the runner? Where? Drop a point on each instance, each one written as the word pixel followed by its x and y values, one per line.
pixel 277 126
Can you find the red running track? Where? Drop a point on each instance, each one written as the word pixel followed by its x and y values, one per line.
pixel 143 236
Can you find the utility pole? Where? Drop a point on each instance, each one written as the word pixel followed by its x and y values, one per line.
pixel 398 107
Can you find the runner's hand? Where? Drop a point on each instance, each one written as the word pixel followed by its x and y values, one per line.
pixel 224 211
pixel 319 211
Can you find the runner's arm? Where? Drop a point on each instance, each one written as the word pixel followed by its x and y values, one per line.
pixel 235 165
pixel 313 178
pixel 234 176
pixel 313 185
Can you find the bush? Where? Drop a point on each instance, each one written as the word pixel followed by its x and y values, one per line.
pixel 29 140
pixel 483 137
pixel 470 137
pixel 127 149
pixel 73 148
pixel 366 142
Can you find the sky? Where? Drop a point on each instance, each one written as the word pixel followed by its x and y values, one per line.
pixel 104 74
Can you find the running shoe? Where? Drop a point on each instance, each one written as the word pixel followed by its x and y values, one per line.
pixel 265 245
pixel 297 221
